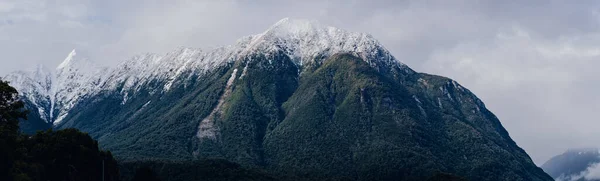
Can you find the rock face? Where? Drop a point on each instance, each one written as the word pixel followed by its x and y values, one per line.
pixel 575 164
pixel 300 99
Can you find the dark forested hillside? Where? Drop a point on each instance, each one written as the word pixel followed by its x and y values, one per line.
pixel 66 155
pixel 299 101
pixel 335 118
pixel 347 119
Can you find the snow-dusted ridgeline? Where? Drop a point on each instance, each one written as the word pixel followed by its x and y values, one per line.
pixel 55 92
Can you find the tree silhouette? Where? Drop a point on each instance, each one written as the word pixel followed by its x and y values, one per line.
pixel 11 110
pixel 145 174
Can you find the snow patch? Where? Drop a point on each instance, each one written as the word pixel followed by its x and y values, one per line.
pixel 147 103
pixel 125 98
pixel 456 85
pixel 446 92
pixel 67 60
pixel 419 105
pixel 423 81
pixel 207 128
pixel 60 117
pixel 244 71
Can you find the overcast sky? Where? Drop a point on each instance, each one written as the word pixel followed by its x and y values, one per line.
pixel 533 63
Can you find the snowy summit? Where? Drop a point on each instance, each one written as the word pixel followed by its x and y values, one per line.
pixel 54 93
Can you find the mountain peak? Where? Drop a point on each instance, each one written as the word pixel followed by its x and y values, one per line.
pixel 67 60
pixel 76 62
pixel 305 41
pixel 289 28
pixel 283 20
pixel 288 25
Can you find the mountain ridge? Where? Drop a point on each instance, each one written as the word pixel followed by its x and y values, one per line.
pixel 293 36
pixel 299 98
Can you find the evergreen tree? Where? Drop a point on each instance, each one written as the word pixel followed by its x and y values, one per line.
pixel 445 177
pixel 11 110
pixel 145 174
pixel 68 155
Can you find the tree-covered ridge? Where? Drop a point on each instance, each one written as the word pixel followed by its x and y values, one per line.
pixel 70 155
pixel 336 118
pixel 346 118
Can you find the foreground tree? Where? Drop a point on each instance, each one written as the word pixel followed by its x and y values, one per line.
pixel 62 155
pixel 145 174
pixel 67 155
pixel 11 110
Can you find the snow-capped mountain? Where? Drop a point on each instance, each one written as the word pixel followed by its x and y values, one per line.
pixel 55 92
pixel 301 40
pixel 299 98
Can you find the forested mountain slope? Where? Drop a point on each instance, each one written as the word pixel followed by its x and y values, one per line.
pixel 300 98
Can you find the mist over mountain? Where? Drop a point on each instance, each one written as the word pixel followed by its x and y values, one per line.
pixel 581 164
pixel 300 98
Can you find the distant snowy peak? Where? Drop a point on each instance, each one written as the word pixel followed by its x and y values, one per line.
pixel 75 78
pixel 55 92
pixel 73 62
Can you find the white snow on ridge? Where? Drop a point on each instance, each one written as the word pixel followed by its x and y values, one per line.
pixel 67 60
pixel 303 40
pixel 76 78
pixel 35 86
pixel 73 79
